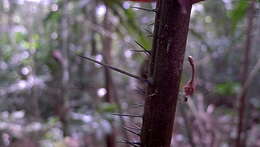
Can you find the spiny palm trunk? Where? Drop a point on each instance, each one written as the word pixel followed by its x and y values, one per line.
pixel 170 35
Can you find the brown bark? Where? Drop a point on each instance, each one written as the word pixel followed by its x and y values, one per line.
pixel 111 95
pixel 61 106
pixel 170 35
pixel 241 137
pixel 109 85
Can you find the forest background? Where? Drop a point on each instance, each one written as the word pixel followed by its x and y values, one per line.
pixel 51 97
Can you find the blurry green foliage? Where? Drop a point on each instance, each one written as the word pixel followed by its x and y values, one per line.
pixel 108 108
pixel 53 17
pixel 135 29
pixel 105 109
pixel 53 121
pixel 238 13
pixel 227 88
pixel 128 19
pixel 19 37
pixel 7 53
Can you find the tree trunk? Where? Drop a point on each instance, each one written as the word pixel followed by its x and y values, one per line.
pixel 109 84
pixel 111 95
pixel 241 132
pixel 170 35
pixel 62 106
